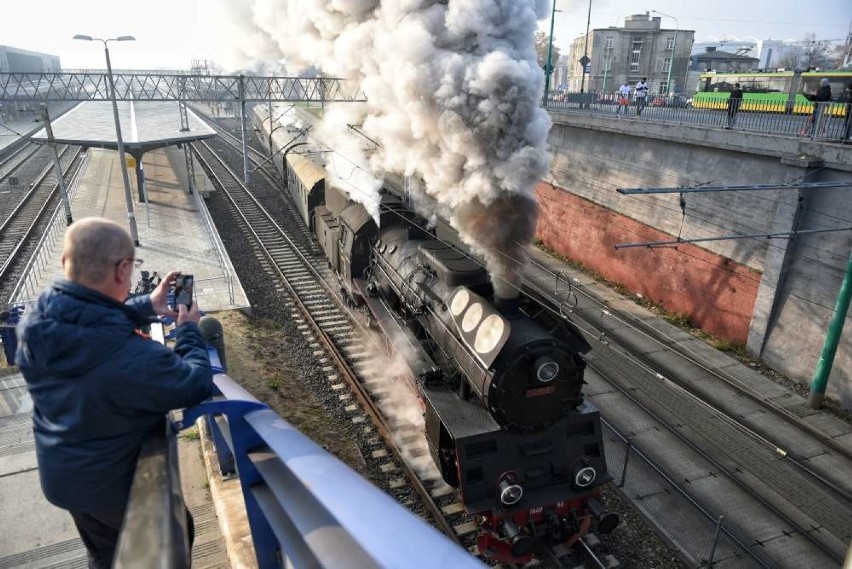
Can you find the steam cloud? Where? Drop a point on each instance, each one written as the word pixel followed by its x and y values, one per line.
pixel 453 91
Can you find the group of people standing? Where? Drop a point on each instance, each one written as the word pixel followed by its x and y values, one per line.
pixel 640 97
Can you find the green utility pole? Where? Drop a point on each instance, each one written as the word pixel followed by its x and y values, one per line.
pixel 832 338
pixel 548 70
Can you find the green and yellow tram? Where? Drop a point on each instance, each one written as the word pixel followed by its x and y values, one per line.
pixel 781 91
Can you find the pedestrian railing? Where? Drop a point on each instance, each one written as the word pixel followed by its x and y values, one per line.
pixel 156 527
pixel 40 265
pixel 305 507
pixel 827 122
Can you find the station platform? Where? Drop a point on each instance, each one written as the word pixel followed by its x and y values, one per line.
pixel 174 233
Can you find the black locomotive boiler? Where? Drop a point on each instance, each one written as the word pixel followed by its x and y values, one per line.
pixel 506 422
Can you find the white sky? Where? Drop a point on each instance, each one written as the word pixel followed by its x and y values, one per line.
pixel 171 33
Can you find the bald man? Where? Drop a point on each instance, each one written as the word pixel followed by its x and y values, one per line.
pixel 98 387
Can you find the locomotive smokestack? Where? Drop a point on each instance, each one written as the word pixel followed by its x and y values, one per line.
pixel 501 231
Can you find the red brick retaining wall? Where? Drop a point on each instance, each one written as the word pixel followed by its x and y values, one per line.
pixel 716 293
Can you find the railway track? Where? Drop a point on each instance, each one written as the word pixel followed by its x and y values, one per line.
pixel 27 221
pixel 732 447
pixel 12 163
pixel 355 362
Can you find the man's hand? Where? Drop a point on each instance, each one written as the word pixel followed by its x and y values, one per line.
pixel 188 315
pixel 160 296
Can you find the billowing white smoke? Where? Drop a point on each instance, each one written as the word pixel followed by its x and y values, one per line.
pixel 453 93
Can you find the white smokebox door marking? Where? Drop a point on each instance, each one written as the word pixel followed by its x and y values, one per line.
pixel 489 334
pixel 472 317
pixel 459 302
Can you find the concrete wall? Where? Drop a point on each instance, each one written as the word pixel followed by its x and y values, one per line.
pixel 777 295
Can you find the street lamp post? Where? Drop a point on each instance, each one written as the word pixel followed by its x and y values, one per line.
pixel 548 70
pixel 674 49
pixel 586 51
pixel 128 198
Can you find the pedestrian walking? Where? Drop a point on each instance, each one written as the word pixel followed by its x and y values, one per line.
pixel 623 95
pixel 641 95
pixel 734 103
pixel 98 387
pixel 820 98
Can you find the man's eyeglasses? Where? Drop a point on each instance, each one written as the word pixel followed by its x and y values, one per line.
pixel 136 262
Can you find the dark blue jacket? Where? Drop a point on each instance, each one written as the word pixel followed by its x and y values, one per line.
pixel 98 388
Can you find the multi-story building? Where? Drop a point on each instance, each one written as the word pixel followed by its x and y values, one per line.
pixel 15 60
pixel 640 49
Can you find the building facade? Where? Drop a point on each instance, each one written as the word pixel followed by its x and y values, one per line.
pixel 640 49
pixel 15 60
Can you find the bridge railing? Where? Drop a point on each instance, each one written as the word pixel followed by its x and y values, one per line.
pixel 305 507
pixel 828 122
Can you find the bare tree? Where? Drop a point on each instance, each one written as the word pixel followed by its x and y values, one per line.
pixel 541 44
pixel 790 60
pixel 814 52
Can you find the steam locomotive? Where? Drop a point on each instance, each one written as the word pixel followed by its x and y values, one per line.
pixel 500 379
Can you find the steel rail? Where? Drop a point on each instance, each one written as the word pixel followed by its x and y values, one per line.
pixel 7 263
pixel 667 344
pixel 14 154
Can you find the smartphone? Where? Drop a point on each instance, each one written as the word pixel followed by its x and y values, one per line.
pixel 183 290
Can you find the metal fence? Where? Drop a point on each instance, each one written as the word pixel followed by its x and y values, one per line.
pixel 41 263
pixel 704 538
pixel 216 240
pixel 827 122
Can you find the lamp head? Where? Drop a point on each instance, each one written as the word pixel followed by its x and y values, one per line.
pixel 82 37
pixel 125 38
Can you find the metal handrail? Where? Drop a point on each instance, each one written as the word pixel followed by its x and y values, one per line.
pixel 308 509
pixel 821 121
pixel 218 245
pixel 57 226
pixel 156 530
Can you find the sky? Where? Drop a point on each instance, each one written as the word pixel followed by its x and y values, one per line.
pixel 171 33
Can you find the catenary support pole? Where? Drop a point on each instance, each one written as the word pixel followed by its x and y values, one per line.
pixel 66 205
pixel 548 70
pixel 832 338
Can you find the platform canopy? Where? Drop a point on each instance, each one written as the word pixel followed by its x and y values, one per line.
pixel 144 126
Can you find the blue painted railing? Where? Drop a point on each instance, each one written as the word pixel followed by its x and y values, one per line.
pixel 305 507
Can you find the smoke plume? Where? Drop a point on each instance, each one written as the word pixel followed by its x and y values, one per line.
pixel 453 91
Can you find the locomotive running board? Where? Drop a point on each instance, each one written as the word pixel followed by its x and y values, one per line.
pixel 421 365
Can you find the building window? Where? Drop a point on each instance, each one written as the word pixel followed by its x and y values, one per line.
pixel 667 65
pixel 634 61
pixel 663 88
pixel 670 43
pixel 608 44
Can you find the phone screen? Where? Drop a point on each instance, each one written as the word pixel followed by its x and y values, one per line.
pixel 183 290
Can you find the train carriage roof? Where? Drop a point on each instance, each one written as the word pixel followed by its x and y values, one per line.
pixel 307 171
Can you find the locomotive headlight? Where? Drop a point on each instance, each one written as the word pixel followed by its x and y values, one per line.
pixel 546 369
pixel 510 493
pixel 585 477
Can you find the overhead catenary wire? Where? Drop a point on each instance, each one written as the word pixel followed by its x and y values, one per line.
pixel 505 255
pixel 697 183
